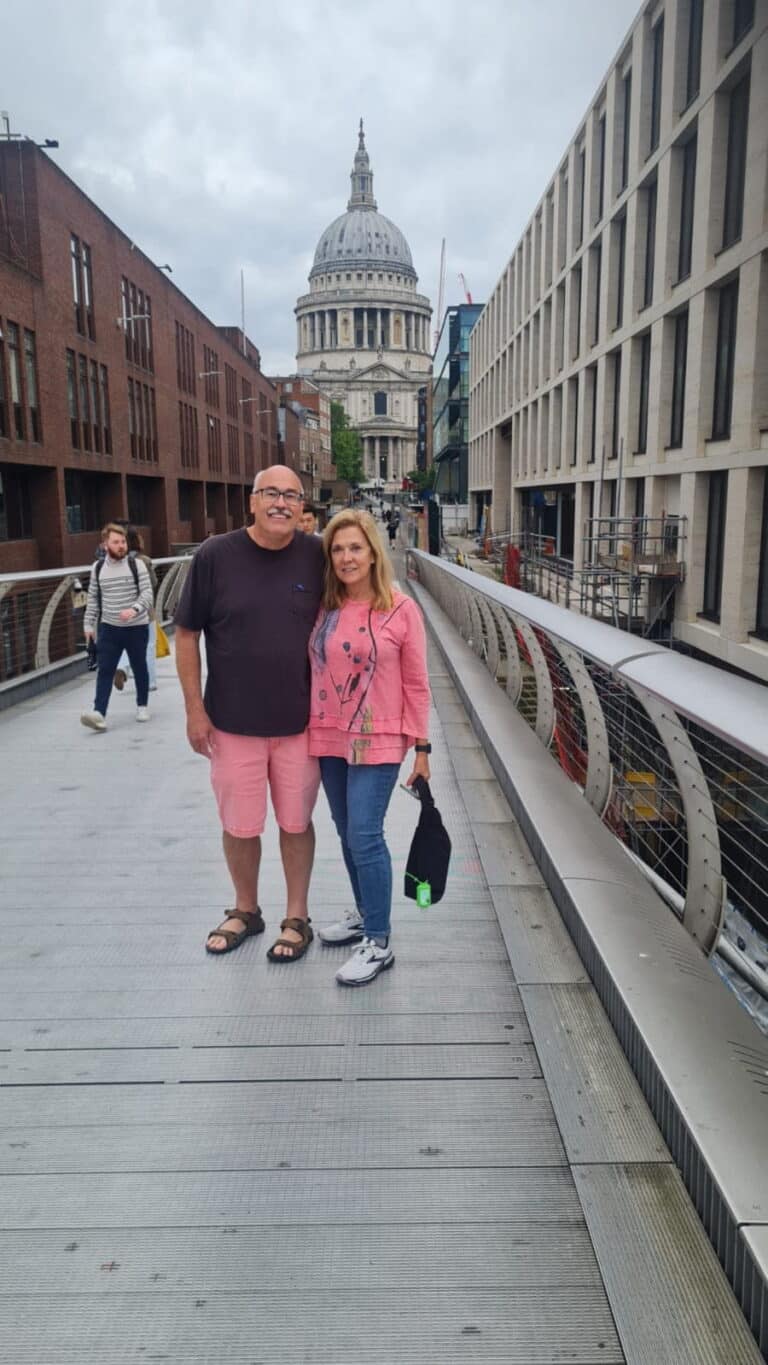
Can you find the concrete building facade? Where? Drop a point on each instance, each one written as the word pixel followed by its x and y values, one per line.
pixel 364 330
pixel 620 366
pixel 118 397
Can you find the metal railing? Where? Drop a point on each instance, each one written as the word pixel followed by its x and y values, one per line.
pixel 672 754
pixel 41 614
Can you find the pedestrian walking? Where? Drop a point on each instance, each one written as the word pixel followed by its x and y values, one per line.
pixel 135 542
pixel 254 593
pixel 117 617
pixel 370 705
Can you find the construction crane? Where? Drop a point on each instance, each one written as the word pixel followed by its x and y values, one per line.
pixel 467 294
pixel 440 297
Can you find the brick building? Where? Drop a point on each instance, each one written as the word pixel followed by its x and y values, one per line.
pixel 118 397
pixel 315 464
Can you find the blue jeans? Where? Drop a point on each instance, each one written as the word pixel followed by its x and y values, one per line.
pixel 110 643
pixel 358 795
pixel 151 656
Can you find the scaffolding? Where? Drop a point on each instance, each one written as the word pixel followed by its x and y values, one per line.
pixel 631 568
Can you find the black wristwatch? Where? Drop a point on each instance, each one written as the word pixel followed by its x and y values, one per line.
pixel 423 748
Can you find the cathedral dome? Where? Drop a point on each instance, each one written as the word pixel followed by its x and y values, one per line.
pixel 362 236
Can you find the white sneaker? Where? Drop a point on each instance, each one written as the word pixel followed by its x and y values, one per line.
pixel 94 720
pixel 142 713
pixel 365 963
pixel 348 929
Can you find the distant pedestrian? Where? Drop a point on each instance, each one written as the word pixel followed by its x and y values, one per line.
pixel 308 519
pixel 122 672
pixel 117 617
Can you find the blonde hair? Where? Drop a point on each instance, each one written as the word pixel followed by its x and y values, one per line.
pixel 113 528
pixel 381 572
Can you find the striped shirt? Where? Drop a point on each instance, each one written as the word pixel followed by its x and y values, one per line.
pixel 118 591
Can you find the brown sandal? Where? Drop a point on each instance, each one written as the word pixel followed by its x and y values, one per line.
pixel 252 924
pixel 300 926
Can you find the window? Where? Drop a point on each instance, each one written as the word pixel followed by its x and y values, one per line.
pixel 737 162
pixel 715 546
pixel 186 377
pixel 597 269
pixel 74 425
pixel 743 18
pixel 645 375
pixel 211 373
pixel 600 149
pixel 727 312
pixel 650 243
pixel 136 312
pixel 680 358
pixel 83 400
pixel 14 373
pixel 621 251
pixel 582 174
pixel 30 374
pixel 626 114
pixel 246 405
pixel 81 498
pixel 15 505
pixel 657 62
pixel 185 500
pixel 573 386
pixel 138 501
pixel 761 617
pixel 214 443
pixel 233 449
pixel 575 311
pixel 249 464
pixel 693 65
pixel 82 287
pixel 687 193
pixel 3 392
pixel 230 391
pixel 592 390
pixel 380 404
pixel 94 369
pixel 615 361
pixel 105 414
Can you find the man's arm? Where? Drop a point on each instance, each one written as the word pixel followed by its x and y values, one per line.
pixel 90 618
pixel 199 727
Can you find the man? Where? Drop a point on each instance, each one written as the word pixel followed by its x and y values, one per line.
pixel 254 593
pixel 308 519
pixel 119 603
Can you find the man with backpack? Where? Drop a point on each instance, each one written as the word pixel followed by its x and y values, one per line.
pixel 117 616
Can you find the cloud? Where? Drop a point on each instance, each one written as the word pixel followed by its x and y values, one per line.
pixel 220 136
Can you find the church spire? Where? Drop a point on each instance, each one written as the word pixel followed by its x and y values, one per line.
pixel 361 177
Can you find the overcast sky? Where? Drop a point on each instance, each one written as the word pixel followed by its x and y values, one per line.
pixel 221 135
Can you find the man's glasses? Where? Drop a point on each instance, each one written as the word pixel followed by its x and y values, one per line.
pixel 288 495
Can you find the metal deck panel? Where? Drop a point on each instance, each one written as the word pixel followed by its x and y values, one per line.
pixel 670 1298
pixel 600 1107
pixel 530 1327
pixel 539 945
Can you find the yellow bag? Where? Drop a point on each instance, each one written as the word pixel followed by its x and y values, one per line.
pixel 162 647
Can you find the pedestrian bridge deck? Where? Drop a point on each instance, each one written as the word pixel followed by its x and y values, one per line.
pixel 234 1161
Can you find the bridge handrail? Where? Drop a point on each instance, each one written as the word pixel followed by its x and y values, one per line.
pixel 671 753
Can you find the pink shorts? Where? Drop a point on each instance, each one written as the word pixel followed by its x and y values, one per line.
pixel 241 768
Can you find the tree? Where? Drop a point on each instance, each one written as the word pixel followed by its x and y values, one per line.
pixel 346 447
pixel 421 479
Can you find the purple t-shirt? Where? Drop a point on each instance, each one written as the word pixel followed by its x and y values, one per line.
pixel 256 608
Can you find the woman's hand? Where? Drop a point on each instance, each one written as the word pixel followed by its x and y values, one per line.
pixel 420 768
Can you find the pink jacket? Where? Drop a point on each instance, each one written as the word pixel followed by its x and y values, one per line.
pixel 369 670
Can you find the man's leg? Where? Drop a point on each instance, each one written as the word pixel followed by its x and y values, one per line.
pixel 109 647
pixel 239 781
pixel 294 782
pixel 136 649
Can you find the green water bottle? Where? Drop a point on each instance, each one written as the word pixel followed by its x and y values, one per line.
pixel 423 895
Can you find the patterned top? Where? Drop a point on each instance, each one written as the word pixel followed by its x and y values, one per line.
pixel 370 689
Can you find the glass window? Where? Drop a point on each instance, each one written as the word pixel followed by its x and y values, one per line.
pixel 693 65
pixel 600 167
pixel 597 268
pixel 737 162
pixel 743 18
pixel 105 414
pixel 3 393
pixel 582 172
pixel 380 404
pixel 626 117
pixel 616 365
pixel 88 290
pixel 14 374
pixel 77 287
pixel 687 194
pixel 645 375
pixel 679 363
pixel 592 389
pixel 95 406
pixel 621 248
pixel 761 617
pixel 15 505
pixel 650 243
pixel 74 425
pixel 715 546
pixel 657 62
pixel 30 373
pixel 573 385
pixel 728 303
pixel 84 401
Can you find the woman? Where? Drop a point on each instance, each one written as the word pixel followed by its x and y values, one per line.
pixel 370 704
pixel 123 670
